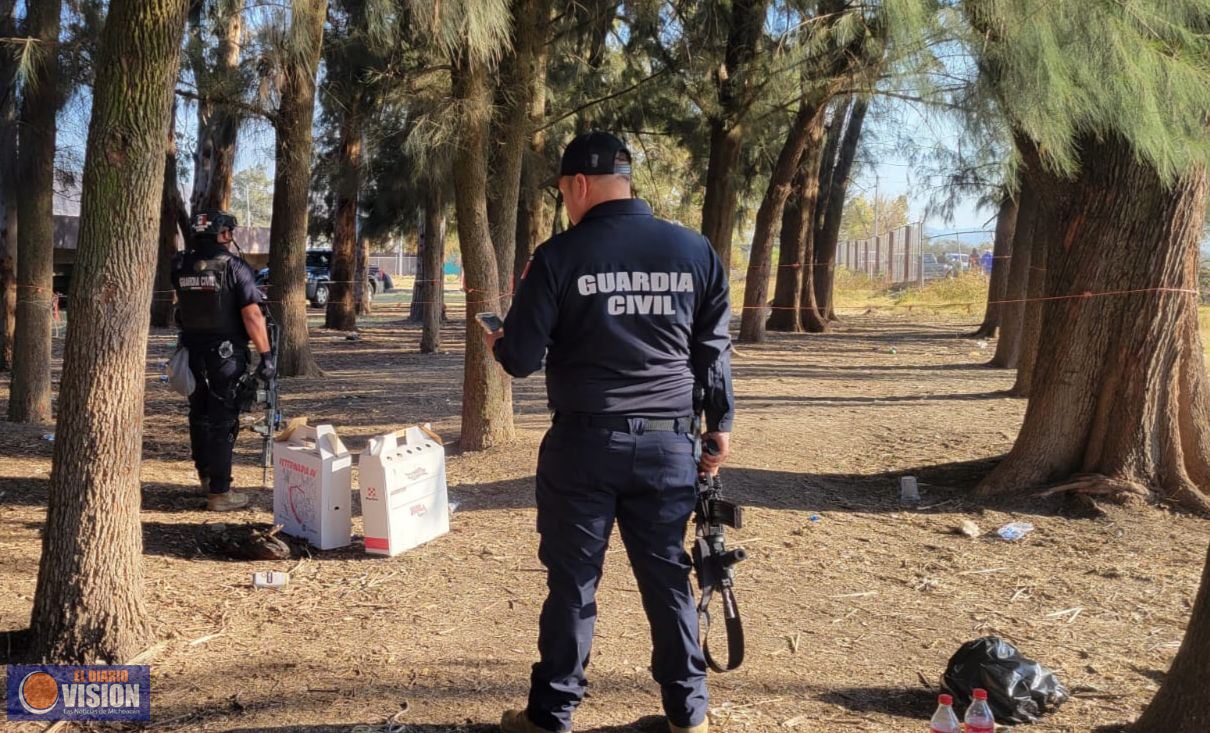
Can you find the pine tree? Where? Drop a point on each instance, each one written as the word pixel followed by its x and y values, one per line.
pixel 1118 403
pixel 299 51
pixel 30 395
pixel 92 548
pixel 473 37
pixel 8 184
pixel 219 80
pixel 348 102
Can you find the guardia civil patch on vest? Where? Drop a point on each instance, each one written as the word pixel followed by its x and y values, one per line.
pixel 204 281
pixel 636 293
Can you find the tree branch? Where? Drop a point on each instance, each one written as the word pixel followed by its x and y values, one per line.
pixel 250 109
pixel 905 97
pixel 599 100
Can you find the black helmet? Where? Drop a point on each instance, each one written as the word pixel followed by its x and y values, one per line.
pixel 210 222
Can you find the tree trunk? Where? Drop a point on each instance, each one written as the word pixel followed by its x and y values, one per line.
pixel 1181 704
pixel 809 312
pixel 745 25
pixel 1006 225
pixel 342 306
pixel 29 396
pixel 291 185
pixel 827 239
pixel 1012 309
pixel 533 226
pixel 416 309
pixel 806 129
pixel 1045 263
pixel 533 216
pixel 718 207
pixel 794 241
pixel 361 277
pixel 1031 314
pixel 511 132
pixel 1118 401
pixel 8 186
pixel 433 292
pixel 487 404
pixel 218 123
pixel 827 163
pixel 88 606
pixel 590 24
pixel 173 219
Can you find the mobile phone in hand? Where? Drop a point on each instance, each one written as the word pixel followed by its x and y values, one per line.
pixel 490 322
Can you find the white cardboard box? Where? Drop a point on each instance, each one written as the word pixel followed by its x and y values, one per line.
pixel 313 485
pixel 404 501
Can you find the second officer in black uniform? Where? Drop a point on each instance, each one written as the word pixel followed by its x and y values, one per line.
pixel 629 312
pixel 219 310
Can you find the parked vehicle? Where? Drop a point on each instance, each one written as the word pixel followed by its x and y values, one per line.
pixel 380 281
pixel 319 278
pixel 934 269
pixel 958 262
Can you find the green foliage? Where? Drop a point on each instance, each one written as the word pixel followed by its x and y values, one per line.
pixel 856 290
pixel 1135 68
pixel 252 196
pixel 478 28
pixel 948 292
pixel 857 222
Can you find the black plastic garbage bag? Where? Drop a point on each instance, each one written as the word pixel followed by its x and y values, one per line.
pixel 1019 690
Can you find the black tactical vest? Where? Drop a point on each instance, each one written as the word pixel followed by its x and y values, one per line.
pixel 205 292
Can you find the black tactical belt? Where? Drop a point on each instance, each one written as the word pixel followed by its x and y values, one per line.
pixel 622 424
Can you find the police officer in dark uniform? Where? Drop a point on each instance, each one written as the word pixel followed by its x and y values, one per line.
pixel 218 309
pixel 630 312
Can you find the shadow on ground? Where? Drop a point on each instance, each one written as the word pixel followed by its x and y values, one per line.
pixel 908 702
pixel 945 487
pixel 648 724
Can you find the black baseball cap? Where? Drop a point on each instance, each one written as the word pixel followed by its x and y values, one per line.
pixel 595 154
pixel 212 221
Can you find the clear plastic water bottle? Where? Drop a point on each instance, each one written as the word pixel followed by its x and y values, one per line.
pixel 944 720
pixel 979 718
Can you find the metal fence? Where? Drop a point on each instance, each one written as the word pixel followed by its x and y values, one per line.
pixel 894 256
pixel 394 265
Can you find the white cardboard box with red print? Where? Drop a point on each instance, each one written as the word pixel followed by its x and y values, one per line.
pixel 404 501
pixel 313 485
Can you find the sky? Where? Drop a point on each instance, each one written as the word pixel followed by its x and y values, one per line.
pixel 880 167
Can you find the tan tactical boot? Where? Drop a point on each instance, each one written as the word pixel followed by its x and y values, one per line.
pixel 516 721
pixel 226 502
pixel 701 727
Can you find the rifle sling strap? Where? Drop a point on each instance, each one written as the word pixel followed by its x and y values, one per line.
pixel 731 621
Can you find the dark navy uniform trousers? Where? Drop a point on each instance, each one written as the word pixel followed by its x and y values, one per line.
pixel 214 412
pixel 588 478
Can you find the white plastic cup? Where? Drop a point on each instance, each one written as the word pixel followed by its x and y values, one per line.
pixel 909 492
pixel 270 579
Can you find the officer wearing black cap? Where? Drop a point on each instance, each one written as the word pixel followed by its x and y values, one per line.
pixel 219 310
pixel 629 312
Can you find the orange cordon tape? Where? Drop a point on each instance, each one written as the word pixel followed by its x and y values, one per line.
pixel 54 302
pixel 1078 296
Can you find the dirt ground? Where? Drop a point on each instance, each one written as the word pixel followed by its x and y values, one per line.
pixel 852 603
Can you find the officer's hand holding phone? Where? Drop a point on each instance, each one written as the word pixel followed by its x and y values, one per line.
pixel 493 327
pixel 712 459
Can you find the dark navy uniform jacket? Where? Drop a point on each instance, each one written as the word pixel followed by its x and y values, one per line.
pixel 630 311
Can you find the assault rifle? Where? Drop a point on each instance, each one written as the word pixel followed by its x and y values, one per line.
pixel 252 395
pixel 714 564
